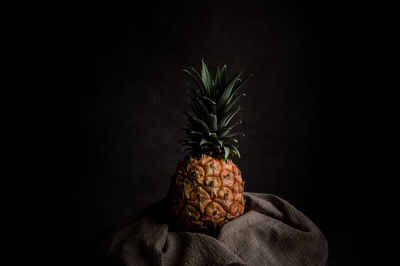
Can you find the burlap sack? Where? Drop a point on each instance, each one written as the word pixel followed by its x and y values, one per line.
pixel 271 232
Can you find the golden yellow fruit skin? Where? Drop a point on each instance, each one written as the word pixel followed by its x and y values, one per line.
pixel 206 193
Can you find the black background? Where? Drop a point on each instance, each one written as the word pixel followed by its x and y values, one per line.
pixel 320 115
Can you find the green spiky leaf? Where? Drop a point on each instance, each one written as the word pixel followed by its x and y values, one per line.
pixel 227 92
pixel 202 125
pixel 205 76
pixel 226 152
pixel 236 88
pixel 211 105
pixel 227 117
pixel 234 149
pixel 214 106
pixel 204 141
pixel 231 135
pixel 197 81
pixel 229 106
pixel 213 123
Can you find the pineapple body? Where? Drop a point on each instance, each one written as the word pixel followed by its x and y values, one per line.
pixel 206 193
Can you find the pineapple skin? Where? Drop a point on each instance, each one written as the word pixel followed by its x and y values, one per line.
pixel 206 193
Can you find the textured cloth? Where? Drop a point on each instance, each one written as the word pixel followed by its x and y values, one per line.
pixel 270 232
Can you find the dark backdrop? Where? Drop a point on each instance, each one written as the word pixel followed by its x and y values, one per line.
pixel 320 113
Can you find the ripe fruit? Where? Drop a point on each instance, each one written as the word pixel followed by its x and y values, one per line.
pixel 207 189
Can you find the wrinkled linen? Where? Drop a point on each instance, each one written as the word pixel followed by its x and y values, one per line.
pixel 270 232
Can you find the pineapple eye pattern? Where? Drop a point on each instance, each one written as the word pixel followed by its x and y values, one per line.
pixel 216 199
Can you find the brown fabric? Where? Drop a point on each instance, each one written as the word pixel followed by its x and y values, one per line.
pixel 271 232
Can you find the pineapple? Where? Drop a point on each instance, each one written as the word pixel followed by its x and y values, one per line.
pixel 207 189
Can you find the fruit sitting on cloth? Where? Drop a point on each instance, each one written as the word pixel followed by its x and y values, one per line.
pixel 207 189
pixel 206 195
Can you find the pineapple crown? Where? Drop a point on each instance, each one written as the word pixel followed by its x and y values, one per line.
pixel 214 105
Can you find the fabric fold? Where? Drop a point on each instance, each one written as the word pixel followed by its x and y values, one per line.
pixel 270 232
